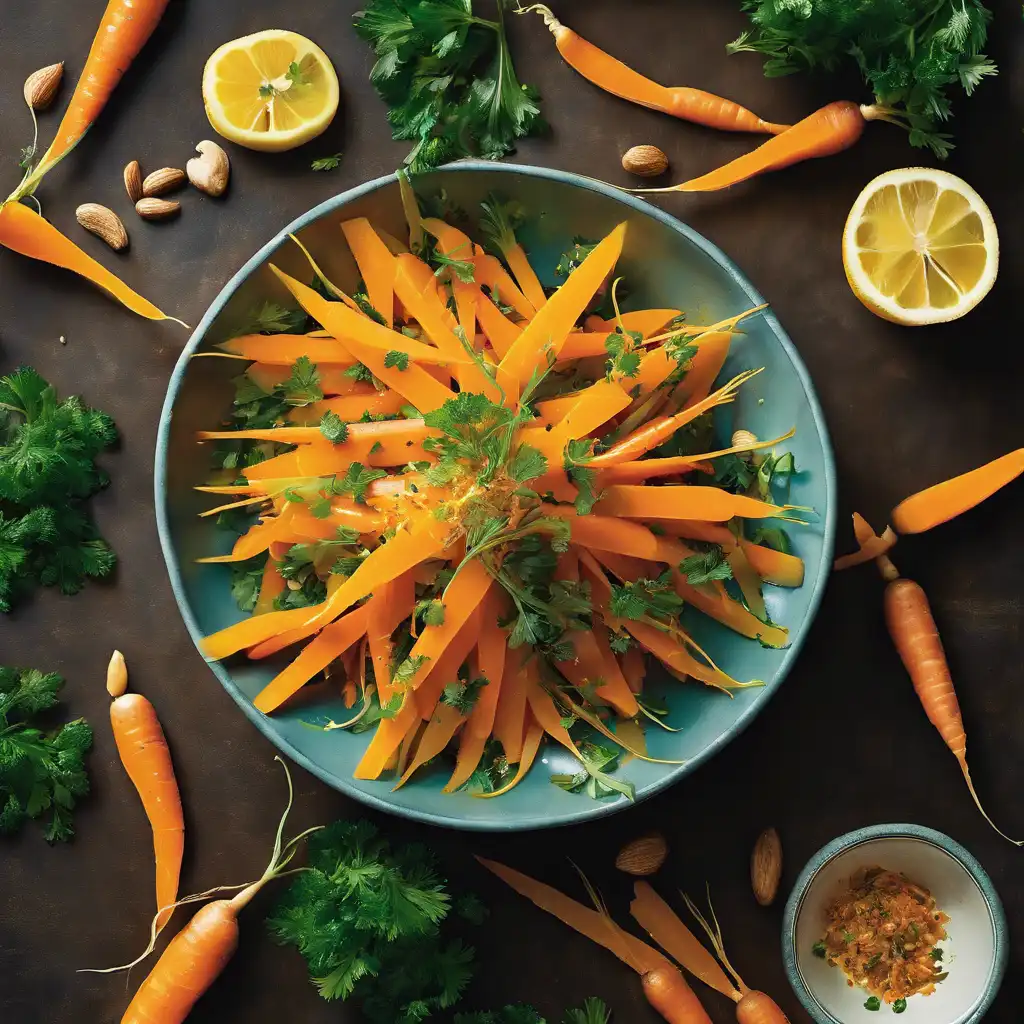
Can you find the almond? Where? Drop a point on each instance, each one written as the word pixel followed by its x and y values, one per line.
pixel 103 223
pixel 645 161
pixel 164 180
pixel 133 180
pixel 42 85
pixel 643 856
pixel 151 208
pixel 766 866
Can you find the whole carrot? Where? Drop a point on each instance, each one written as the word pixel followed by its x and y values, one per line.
pixel 147 759
pixel 617 78
pixel 912 627
pixel 201 950
pixel 123 31
pixel 830 130
pixel 666 990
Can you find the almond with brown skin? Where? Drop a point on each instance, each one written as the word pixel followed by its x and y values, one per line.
pixel 643 856
pixel 766 867
pixel 103 223
pixel 645 161
pixel 133 180
pixel 42 85
pixel 164 180
pixel 152 208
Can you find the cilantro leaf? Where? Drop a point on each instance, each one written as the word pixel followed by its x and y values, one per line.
pixel 706 566
pixel 333 427
pixel 572 258
pixel 462 696
pixel 356 481
pixel 527 463
pixel 644 597
pixel 246 581
pixel 41 773
pixel 400 360
pixel 407 670
pixel 302 387
pixel 327 163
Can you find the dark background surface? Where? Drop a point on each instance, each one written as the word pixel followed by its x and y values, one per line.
pixel 845 742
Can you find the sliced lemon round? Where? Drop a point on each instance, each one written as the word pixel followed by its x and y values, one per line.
pixel 920 246
pixel 273 90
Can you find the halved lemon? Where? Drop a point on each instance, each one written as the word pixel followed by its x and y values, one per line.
pixel 273 90
pixel 920 246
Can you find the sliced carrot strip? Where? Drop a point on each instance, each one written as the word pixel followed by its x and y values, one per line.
pixel 705 366
pixel 376 265
pixel 498 329
pixel 273 584
pixel 491 273
pixel 525 275
pixel 645 469
pixel 748 581
pixel 531 744
pixel 593 665
pixel 591 923
pixel 391 603
pixel 387 739
pixel 657 918
pixel 370 343
pixel 874 547
pixel 510 715
pixel 544 336
pixel 333 641
pixel 445 669
pixel 285 349
pixel 544 711
pixel 635 501
pixel 438 734
pixel 350 407
pixel 252 631
pixel 23 231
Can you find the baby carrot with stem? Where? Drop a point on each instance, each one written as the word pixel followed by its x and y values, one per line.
pixel 147 760
pixel 202 949
pixel 617 78
pixel 911 625
pixel 833 128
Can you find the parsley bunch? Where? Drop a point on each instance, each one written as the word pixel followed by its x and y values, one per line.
pixel 593 1011
pixel 47 471
pixel 910 52
pixel 368 920
pixel 41 773
pixel 448 79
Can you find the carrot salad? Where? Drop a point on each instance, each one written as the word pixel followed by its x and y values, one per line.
pixel 883 933
pixel 473 502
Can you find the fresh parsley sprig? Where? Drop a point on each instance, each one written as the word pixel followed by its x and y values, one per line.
pixel 911 53
pixel 448 79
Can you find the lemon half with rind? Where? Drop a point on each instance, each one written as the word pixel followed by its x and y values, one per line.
pixel 272 91
pixel 920 246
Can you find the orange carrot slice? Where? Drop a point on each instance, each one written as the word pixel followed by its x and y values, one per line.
pixel 284 349
pixel 705 366
pixel 491 273
pixel 376 265
pixel 658 919
pixel 510 714
pixel 332 642
pixel 712 504
pixel 591 923
pixel 498 329
pixel 23 231
pixel 443 725
pixel 544 336
pixel 390 604
pixel 273 584
pixel 531 744
pixel 387 739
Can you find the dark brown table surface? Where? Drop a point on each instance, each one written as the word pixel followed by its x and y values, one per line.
pixel 844 743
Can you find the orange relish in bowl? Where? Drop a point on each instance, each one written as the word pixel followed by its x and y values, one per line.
pixel 883 934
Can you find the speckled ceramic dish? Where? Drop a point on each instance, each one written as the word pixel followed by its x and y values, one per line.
pixel 666 264
pixel 974 954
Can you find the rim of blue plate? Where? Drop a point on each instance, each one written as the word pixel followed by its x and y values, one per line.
pixel 595 809
pixel 858 837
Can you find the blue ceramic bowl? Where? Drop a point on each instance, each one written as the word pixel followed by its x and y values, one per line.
pixel 668 265
pixel 974 954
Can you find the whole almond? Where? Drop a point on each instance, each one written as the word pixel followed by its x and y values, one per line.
pixel 164 180
pixel 643 856
pixel 133 180
pixel 645 161
pixel 766 866
pixel 151 208
pixel 42 85
pixel 103 223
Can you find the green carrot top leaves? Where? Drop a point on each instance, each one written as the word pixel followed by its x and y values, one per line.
pixel 41 773
pixel 910 52
pixel 448 79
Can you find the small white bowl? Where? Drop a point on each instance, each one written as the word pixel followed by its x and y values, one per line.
pixel 974 954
